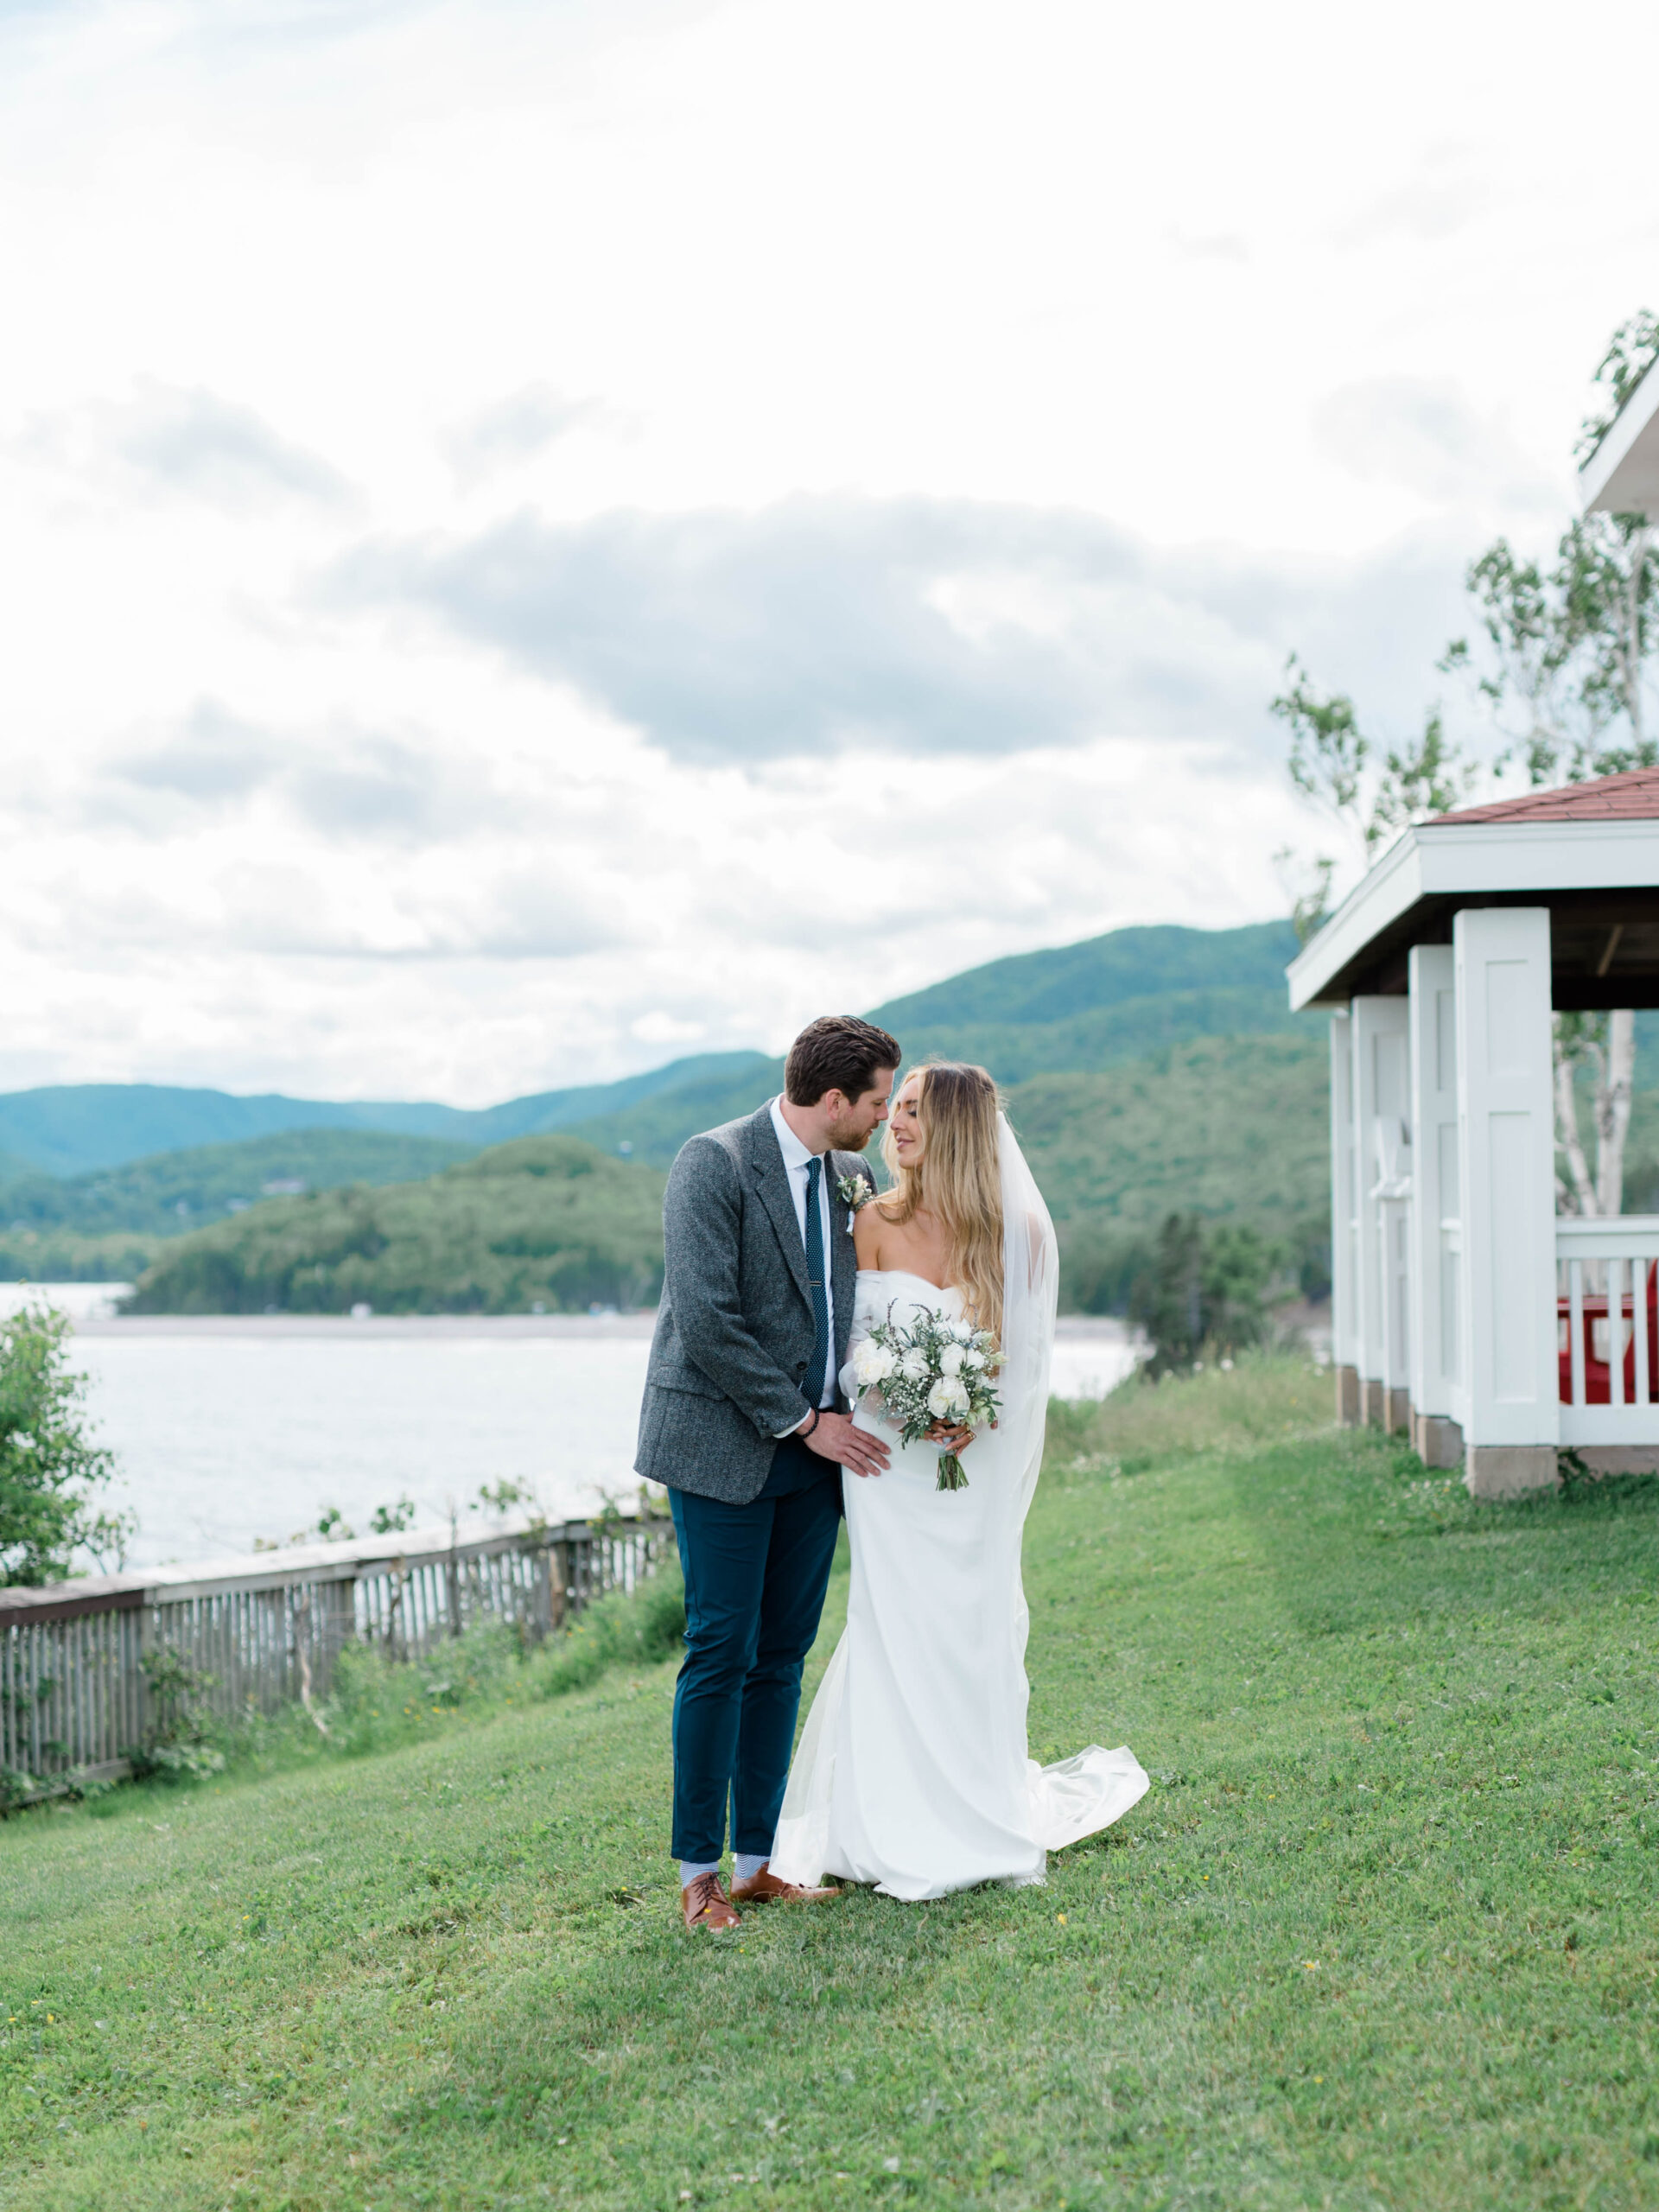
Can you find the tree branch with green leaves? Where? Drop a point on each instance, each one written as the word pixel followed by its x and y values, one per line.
pixel 50 1471
pixel 1557 671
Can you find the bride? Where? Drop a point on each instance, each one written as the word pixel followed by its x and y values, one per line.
pixel 911 1771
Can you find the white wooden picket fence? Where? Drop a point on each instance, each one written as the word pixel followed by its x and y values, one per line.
pixel 79 1685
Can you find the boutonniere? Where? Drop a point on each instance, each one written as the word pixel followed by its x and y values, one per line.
pixel 854 1192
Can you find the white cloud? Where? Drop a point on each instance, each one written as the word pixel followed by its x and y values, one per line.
pixel 1424 435
pixel 816 628
pixel 811 527
pixel 184 444
pixel 511 431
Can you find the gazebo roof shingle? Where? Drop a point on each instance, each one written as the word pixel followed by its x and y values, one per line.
pixel 1589 852
pixel 1633 796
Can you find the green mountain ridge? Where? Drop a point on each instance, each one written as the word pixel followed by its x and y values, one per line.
pixel 1029 989
pixel 1149 1069
pixel 70 1129
pixel 172 1191
pixel 1109 998
pixel 1233 1128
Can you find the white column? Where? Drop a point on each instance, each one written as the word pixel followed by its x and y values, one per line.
pixel 1378 1027
pixel 1435 1231
pixel 1344 1222
pixel 1506 1172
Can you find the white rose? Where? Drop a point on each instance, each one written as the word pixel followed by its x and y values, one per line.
pixel 950 1360
pixel 873 1362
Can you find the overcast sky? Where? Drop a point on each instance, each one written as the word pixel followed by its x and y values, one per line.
pixel 540 537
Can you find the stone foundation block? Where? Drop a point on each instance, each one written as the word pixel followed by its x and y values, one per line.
pixel 1348 1415
pixel 1437 1441
pixel 1509 1469
pixel 1620 1458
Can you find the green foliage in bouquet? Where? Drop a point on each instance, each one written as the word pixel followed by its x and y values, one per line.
pixel 932 1375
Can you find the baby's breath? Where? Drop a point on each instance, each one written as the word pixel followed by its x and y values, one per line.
pixel 929 1370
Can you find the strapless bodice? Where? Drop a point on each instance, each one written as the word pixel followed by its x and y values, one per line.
pixel 880 1290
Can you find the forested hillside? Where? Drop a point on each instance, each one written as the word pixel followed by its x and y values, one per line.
pixel 1080 1008
pixel 175 1190
pixel 105 1226
pixel 1234 1128
pixel 1149 1071
pixel 76 1129
pixel 1112 998
pixel 545 1222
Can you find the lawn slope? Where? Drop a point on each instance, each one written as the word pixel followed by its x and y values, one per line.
pixel 1382 1935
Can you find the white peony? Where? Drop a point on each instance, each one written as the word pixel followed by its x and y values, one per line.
pixel 946 1398
pixel 950 1360
pixel 873 1362
pixel 974 1359
pixel 913 1367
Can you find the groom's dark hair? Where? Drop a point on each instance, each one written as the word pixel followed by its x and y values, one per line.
pixel 837 1053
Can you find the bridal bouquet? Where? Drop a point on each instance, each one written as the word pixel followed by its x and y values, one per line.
pixel 929 1371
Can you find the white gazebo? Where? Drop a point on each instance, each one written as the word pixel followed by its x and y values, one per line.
pixel 1463 1310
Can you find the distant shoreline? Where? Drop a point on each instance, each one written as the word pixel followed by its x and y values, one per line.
pixel 1100 1328
pixel 374 1324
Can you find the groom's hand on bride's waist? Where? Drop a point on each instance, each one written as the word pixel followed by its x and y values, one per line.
pixel 836 1437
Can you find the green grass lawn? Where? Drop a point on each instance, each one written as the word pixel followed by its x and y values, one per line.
pixel 1382 1935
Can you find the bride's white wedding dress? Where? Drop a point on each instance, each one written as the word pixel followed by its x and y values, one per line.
pixel 911 1772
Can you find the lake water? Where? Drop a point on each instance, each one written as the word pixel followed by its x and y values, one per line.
pixel 227 1430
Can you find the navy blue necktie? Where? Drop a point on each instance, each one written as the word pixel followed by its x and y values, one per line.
pixel 814 1385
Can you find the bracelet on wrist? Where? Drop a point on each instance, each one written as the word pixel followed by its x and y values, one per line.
pixel 817 1416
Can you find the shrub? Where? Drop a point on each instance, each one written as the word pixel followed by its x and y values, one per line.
pixel 635 1629
pixel 180 1744
pixel 49 1470
pixel 1203 1287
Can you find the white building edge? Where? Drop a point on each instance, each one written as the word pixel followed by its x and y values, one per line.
pixel 1463 1311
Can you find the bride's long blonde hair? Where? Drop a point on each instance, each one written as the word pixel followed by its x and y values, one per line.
pixel 958 1181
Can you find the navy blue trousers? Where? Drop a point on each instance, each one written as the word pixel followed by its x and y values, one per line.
pixel 755 1577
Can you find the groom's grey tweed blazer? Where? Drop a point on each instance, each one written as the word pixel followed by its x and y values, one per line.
pixel 734 1329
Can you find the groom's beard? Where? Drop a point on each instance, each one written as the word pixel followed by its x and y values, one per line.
pixel 849 1140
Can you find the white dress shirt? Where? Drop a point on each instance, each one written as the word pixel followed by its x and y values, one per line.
pixel 796 1157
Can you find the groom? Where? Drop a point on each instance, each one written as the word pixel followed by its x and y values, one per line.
pixel 743 1420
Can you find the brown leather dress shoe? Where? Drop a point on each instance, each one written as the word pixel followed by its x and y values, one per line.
pixel 705 1904
pixel 764 1888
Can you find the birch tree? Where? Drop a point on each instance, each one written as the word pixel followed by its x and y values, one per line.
pixel 1559 668
pixel 1367 791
